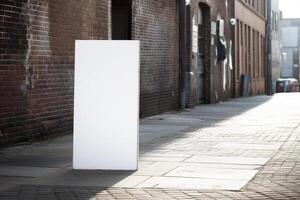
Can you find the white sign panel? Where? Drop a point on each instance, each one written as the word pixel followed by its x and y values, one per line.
pixel 213 28
pixel 195 38
pixel 221 28
pixel 106 113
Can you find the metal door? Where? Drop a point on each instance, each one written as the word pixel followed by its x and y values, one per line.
pixel 201 62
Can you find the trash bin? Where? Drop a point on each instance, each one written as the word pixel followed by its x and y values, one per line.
pixel 245 83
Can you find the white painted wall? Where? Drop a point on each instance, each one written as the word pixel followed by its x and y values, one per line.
pixel 106 113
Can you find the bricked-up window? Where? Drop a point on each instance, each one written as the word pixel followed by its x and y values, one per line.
pixel 253 54
pixel 249 50
pixel 242 47
pixel 238 48
pixel 257 53
pixel 121 19
pixel 262 7
pixel 246 49
pixel 256 5
pixel 262 57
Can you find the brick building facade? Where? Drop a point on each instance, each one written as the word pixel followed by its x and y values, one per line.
pixel 37 58
pixel 155 24
pixel 250 45
pixel 37 55
pixel 208 79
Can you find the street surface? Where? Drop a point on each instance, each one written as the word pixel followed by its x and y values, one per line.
pixel 242 149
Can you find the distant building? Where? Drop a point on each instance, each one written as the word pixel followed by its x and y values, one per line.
pixel 275 39
pixel 290 48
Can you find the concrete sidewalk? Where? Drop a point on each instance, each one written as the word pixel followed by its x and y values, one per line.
pixel 210 148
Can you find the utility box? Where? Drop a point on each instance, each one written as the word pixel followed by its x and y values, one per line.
pixel 106 105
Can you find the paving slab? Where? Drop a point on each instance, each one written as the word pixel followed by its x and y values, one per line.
pixel 213 173
pixel 208 165
pixel 131 181
pixel 220 166
pixel 155 169
pixel 172 155
pixel 162 159
pixel 162 129
pixel 23 171
pixel 228 160
pixel 98 178
pixel 53 161
pixel 237 145
pixel 192 183
pixel 175 121
pixel 8 182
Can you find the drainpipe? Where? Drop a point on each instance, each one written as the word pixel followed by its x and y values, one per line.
pixel 269 48
pixel 182 52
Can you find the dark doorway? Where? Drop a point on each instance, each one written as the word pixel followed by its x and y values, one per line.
pixel 121 19
pixel 203 37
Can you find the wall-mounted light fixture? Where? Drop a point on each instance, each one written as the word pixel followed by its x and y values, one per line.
pixel 233 21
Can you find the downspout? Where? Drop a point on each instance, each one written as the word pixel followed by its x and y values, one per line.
pixel 269 48
pixel 182 52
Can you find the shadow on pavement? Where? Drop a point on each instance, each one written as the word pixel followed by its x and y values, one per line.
pixel 47 164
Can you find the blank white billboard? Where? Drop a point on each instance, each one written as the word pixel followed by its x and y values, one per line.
pixel 106 105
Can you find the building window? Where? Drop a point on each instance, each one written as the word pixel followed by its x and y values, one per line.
pixel 275 21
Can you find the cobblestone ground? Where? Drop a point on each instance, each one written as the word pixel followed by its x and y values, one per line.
pixel 275 121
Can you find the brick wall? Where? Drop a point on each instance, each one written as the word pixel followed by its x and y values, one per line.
pixel 37 60
pixel 13 48
pixel 215 73
pixel 155 23
pixel 250 46
pixel 37 63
